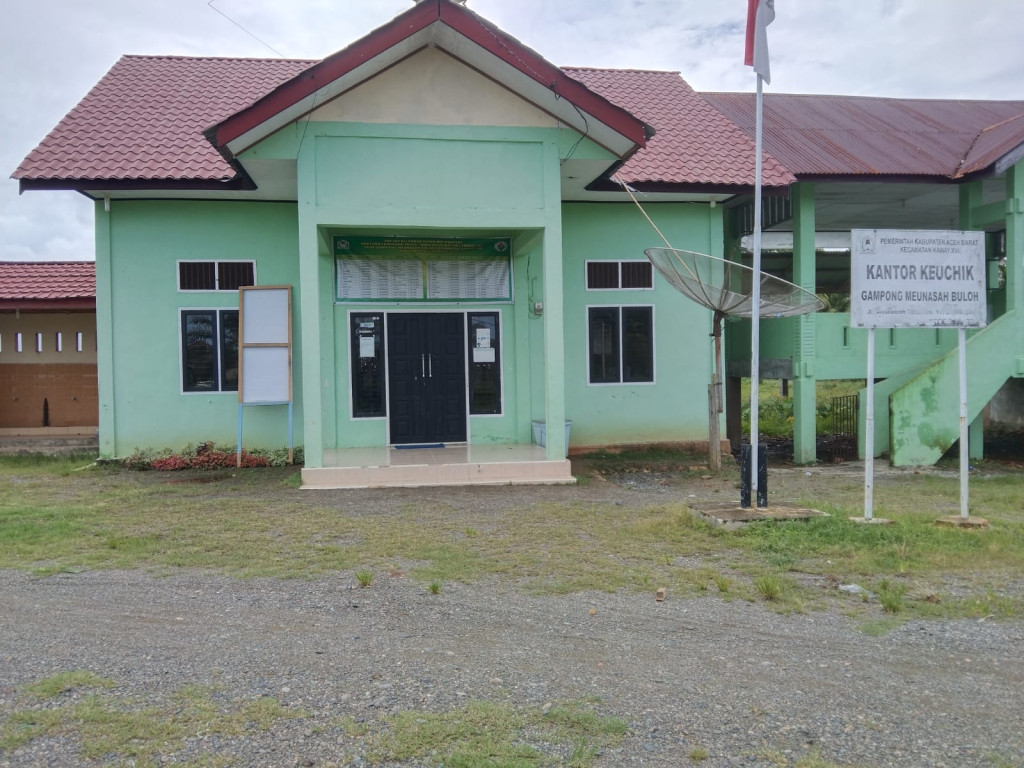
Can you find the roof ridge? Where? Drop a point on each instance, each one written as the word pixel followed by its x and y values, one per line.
pixel 858 97
pixel 42 262
pixel 179 57
pixel 625 69
pixel 977 137
pixel 1001 123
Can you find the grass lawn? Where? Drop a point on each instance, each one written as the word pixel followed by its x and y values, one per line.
pixel 68 514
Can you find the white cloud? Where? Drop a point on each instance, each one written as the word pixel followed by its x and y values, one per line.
pixel 57 49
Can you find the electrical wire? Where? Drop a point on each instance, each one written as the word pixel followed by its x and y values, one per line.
pixel 250 34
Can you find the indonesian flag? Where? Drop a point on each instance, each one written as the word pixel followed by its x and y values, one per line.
pixel 760 13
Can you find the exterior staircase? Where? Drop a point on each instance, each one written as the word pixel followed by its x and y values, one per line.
pixel 924 413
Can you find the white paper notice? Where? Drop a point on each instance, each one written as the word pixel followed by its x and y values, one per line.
pixel 483 354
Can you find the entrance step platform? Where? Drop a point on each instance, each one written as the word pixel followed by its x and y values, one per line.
pixel 412 467
pixel 48 440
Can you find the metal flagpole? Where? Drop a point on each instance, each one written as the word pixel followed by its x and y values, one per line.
pixel 869 432
pixel 755 307
pixel 964 455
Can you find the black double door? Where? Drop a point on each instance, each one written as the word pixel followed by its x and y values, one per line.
pixel 427 377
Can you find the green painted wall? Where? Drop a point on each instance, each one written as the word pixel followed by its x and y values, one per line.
pixel 841 351
pixel 674 407
pixel 139 245
pixel 428 181
pixel 477 181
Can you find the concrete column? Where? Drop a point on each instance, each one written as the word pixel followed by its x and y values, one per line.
pixel 554 309
pixel 105 330
pixel 805 399
pixel 309 310
pixel 1015 240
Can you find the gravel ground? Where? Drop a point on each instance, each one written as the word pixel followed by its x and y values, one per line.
pixel 749 686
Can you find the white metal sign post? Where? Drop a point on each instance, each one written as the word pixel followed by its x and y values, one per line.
pixel 916 279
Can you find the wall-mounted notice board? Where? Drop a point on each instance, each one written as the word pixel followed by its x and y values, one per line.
pixel 265 344
pixel 265 352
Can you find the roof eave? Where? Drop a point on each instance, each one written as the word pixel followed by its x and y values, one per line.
pixel 48 305
pixel 240 182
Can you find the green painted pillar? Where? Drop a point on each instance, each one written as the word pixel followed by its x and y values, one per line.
pixel 1015 242
pixel 805 399
pixel 105 330
pixel 554 321
pixel 309 310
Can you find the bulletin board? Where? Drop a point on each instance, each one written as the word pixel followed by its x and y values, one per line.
pixel 265 344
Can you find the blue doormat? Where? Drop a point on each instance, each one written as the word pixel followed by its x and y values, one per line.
pixel 410 446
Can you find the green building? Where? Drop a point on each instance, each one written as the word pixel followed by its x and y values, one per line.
pixel 465 267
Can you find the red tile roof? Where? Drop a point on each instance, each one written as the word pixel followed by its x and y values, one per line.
pixel 694 143
pixel 144 119
pixel 867 136
pixel 144 122
pixel 54 283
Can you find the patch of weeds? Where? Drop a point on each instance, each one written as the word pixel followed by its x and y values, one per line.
pixel 992 604
pixel 364 578
pixel 814 760
pixel 879 627
pixel 487 734
pixel 698 754
pixel 773 756
pixel 998 761
pixel 109 727
pixel 891 595
pixel 770 586
pixel 53 686
pixel 435 587
pixel 723 583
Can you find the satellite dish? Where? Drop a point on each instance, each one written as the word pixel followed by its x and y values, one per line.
pixel 726 286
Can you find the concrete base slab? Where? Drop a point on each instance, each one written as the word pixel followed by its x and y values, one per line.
pixel 871 520
pixel 391 467
pixel 956 521
pixel 734 516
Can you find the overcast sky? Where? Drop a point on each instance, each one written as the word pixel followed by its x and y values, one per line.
pixel 53 51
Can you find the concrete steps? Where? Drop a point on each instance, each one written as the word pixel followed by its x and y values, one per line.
pixel 49 442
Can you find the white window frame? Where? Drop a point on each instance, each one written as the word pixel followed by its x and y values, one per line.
pixel 216 274
pixel 618 263
pixel 654 346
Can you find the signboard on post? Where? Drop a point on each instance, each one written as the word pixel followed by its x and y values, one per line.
pixel 917 279
pixel 904 278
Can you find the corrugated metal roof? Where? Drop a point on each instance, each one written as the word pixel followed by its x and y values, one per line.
pixel 693 144
pixel 857 135
pixel 144 119
pixel 47 280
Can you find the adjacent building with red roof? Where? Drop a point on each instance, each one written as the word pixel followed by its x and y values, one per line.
pixel 448 218
pixel 48 347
